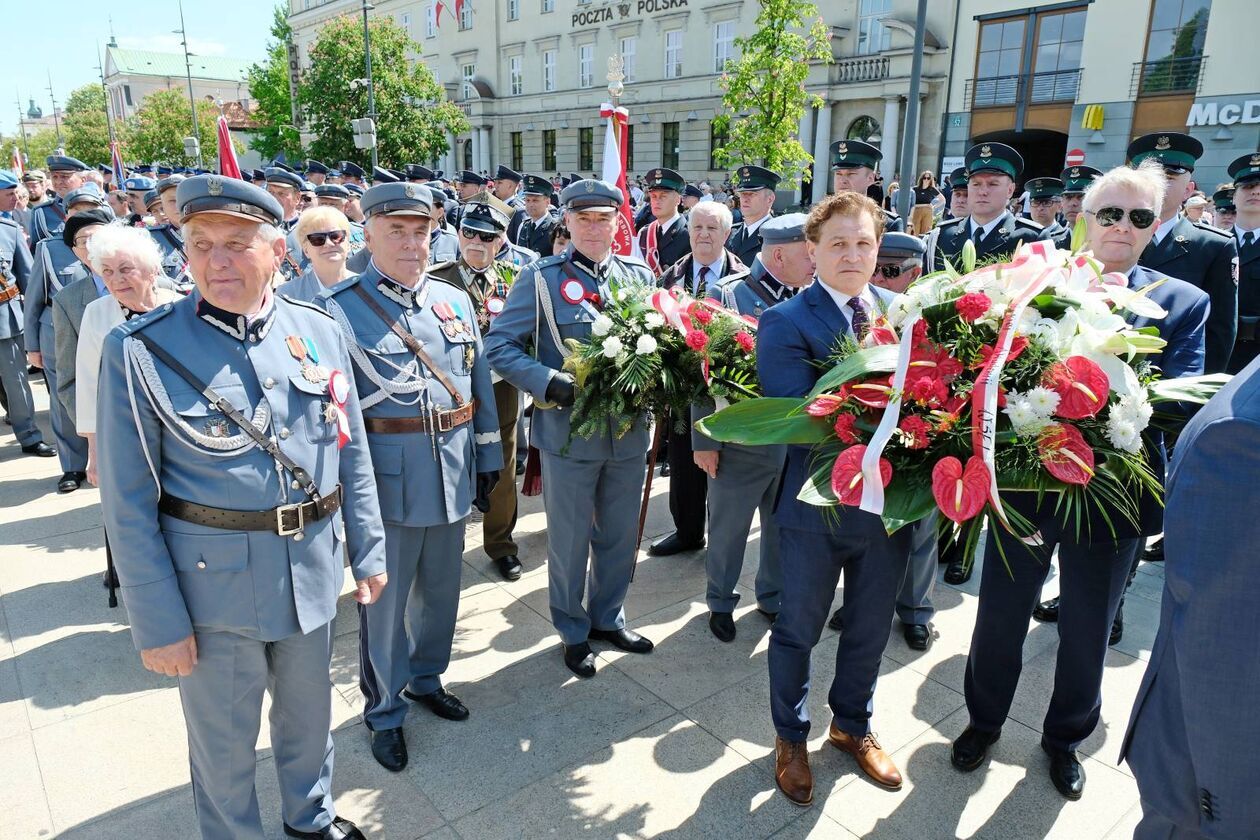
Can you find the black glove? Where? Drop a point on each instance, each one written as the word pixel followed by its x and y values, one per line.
pixel 560 390
pixel 486 482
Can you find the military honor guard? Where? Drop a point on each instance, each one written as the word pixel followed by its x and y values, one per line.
pixel 19 403
pixel 1246 232
pixel 507 181
pixel 589 484
pixel 316 172
pixel 755 186
pixel 429 411
pixel 1045 200
pixel 743 480
pixel 1075 179
pixel 854 165
pixel 533 227
pixel 1197 253
pixel 467 184
pixel 794 341
pixel 664 241
pixel 235 396
pixel 487 281
pixel 351 173
pixel 169 236
pixel 48 218
pixel 1223 210
pixel 285 186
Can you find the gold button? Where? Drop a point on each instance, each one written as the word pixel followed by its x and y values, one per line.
pixel 284 433
pixel 201 564
pixel 269 383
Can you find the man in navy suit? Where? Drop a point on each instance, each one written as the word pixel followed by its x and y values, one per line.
pixel 1095 556
pixel 794 341
pixel 1191 742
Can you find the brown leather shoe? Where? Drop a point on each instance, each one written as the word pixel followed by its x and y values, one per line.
pixel 870 756
pixel 791 771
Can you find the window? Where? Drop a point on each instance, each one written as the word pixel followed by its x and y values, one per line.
pixel 718 138
pixel 467 72
pixel 1174 47
pixel 1057 61
pixel 629 147
pixel 628 48
pixel 586 65
pixel 518 151
pixel 669 145
pixel 998 62
pixel 468 157
pixel 549 70
pixel 586 148
pixel 548 6
pixel 873 36
pixel 405 21
pixel 430 20
pixel 549 149
pixel 513 9
pixel 515 77
pixel 863 128
pixel 673 54
pixel 127 94
pixel 723 43
pixel 465 16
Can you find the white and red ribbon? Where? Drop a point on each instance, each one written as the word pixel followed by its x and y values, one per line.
pixel 339 392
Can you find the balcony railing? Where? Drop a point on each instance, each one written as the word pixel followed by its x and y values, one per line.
pixel 1030 89
pixel 855 70
pixel 1167 75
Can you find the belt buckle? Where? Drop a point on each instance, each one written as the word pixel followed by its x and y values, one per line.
pixel 294 513
pixel 444 419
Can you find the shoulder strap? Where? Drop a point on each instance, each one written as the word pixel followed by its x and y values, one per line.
pixel 265 443
pixel 411 343
pixel 759 290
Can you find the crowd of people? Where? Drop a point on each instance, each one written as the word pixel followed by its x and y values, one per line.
pixel 274 377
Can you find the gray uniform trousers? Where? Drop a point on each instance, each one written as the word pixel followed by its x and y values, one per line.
pixel 17 389
pixel 222 700
pixel 747 481
pixel 914 599
pixel 72 450
pixel 405 637
pixel 591 503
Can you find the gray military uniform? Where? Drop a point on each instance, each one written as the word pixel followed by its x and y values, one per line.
pixel 15 271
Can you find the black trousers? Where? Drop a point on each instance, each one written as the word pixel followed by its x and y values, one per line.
pixel 688 487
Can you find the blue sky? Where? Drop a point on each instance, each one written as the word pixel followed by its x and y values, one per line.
pixel 62 37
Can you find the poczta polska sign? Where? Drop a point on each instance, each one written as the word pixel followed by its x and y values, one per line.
pixel 623 11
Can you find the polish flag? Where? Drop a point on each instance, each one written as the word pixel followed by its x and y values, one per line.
pixel 227 154
pixel 615 173
pixel 18 169
pixel 116 164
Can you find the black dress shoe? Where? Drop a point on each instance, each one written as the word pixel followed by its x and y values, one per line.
pixel 389 749
pixel 1065 771
pixel 674 545
pixel 509 567
pixel 664 469
pixel 441 702
pixel 580 659
pixel 520 466
pixel 1047 611
pixel 836 622
pixel 771 617
pixel 1117 627
pixel 722 625
pixel 971 748
pixel 338 829
pixel 69 482
pixel 958 573
pixel 1154 552
pixel 625 639
pixel 918 637
pixel 41 449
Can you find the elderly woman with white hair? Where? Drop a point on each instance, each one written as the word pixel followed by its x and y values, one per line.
pixel 324 234
pixel 1096 555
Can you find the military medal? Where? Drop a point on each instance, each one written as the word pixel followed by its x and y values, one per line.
pixel 307 354
pixel 329 411
pixel 572 291
pixel 217 428
pixel 451 325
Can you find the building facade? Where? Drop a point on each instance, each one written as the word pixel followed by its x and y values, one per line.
pixel 531 75
pixel 1078 80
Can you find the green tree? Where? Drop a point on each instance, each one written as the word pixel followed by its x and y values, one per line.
pixel 763 91
pixel 269 88
pixel 39 145
pixel 412 112
pixel 156 132
pixel 86 132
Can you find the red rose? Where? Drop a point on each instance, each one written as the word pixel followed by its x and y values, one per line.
pixel 1082 387
pixel 845 428
pixel 915 431
pixel 846 474
pixel 1065 454
pixel 960 493
pixel 697 340
pixel 745 341
pixel 972 306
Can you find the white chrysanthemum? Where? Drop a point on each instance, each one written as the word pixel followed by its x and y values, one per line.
pixel 612 347
pixel 1043 400
pixel 602 325
pixel 1025 420
pixel 1124 435
pixel 654 320
pixel 1133 408
pixel 646 345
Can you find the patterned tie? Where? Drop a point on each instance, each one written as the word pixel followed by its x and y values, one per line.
pixel 703 282
pixel 860 323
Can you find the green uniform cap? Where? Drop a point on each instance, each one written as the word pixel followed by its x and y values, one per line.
pixel 851 154
pixel 1170 148
pixel 994 157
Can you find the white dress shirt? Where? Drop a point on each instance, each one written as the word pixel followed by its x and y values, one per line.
pixel 987 228
pixel 1162 230
pixel 842 303
pixel 1240 232
pixel 715 272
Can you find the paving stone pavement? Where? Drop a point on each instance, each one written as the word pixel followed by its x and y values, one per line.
pixel 675 744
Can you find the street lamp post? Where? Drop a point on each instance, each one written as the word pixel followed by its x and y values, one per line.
pixel 367 65
pixel 188 70
pixel 910 139
pixel 56 122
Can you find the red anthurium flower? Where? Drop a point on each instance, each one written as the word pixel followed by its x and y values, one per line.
pixel 919 333
pixel 1065 454
pixel 1018 345
pixel 881 332
pixel 960 493
pixel 934 360
pixel 873 392
pixel 915 431
pixel 745 341
pixel 824 404
pixel 1082 387
pixel 846 474
pixel 846 428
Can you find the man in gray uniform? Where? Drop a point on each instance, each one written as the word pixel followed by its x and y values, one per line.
pixel 590 485
pixel 429 410
pixel 236 396
pixel 169 237
pixel 15 271
pixel 48 218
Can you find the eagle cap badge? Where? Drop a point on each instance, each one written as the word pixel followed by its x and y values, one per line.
pixel 986 151
pixel 1162 143
pixel 214 185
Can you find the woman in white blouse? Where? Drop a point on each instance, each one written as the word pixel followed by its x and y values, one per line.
pixel 130 263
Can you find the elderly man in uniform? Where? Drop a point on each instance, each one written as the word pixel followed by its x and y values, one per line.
pixel 533 227
pixel 743 480
pixel 429 410
pixel 664 241
pixel 235 396
pixel 589 484
pixel 285 186
pixel 169 235
pixel 48 218
pixel 487 281
pixel 853 168
pixel 755 188
pixel 1045 199
pixel 15 271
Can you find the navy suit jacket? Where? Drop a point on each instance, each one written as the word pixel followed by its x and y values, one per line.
pixel 794 340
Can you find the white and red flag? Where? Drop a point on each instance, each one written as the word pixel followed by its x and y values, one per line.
pixel 18 168
pixel 116 164
pixel 615 173
pixel 227 154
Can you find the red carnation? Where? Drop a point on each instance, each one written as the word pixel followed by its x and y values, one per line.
pixel 1065 454
pixel 697 340
pixel 846 474
pixel 960 493
pixel 972 306
pixel 915 431
pixel 846 425
pixel 702 315
pixel 745 341
pixel 1082 387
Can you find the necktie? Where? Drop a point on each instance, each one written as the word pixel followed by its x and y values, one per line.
pixel 860 324
pixel 703 282
pixel 977 234
pixel 1248 238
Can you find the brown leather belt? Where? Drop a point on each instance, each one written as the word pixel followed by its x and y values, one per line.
pixel 285 520
pixel 441 421
pixel 8 293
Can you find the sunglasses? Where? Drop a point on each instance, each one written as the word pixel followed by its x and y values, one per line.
pixel 478 234
pixel 1108 216
pixel 336 237
pixel 891 270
